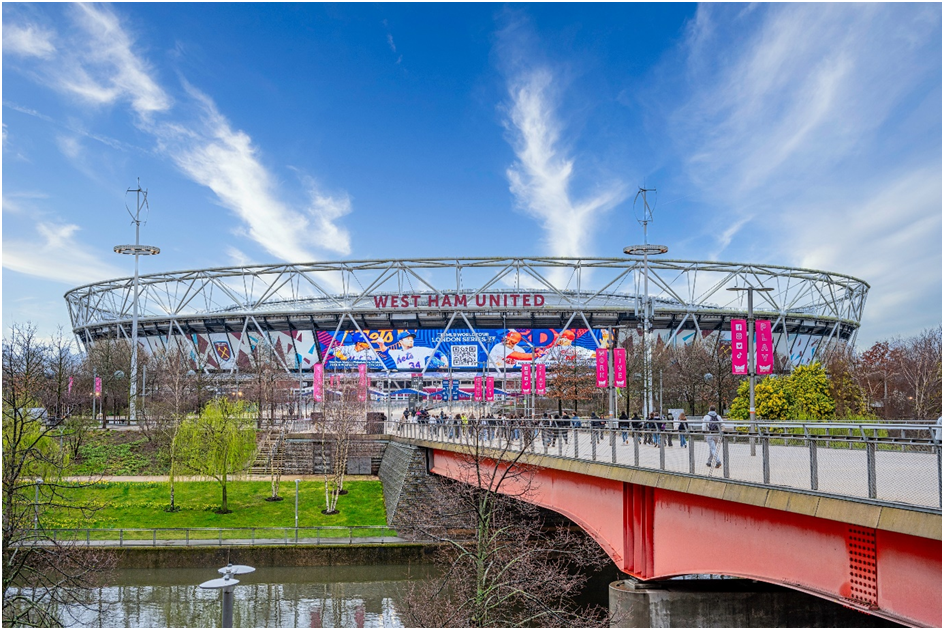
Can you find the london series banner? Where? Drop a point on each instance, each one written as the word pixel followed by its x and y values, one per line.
pixel 739 346
pixel 619 367
pixel 540 379
pixel 362 382
pixel 526 378
pixel 601 367
pixel 316 382
pixel 765 347
pixel 489 388
pixel 477 392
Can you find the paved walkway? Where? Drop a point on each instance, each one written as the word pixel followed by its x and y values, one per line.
pixel 166 478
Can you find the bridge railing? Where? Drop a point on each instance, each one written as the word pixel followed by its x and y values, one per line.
pixel 893 463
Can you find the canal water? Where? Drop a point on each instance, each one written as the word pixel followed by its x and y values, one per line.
pixel 272 597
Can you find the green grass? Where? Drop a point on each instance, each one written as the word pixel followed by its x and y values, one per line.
pixel 141 505
pixel 118 453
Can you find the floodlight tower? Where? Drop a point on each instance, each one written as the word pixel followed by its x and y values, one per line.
pixel 645 250
pixel 136 250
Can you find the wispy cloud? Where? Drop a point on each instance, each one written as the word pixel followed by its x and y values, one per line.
pixel 797 119
pixel 99 62
pixel 541 178
pixel 57 254
pixel 28 40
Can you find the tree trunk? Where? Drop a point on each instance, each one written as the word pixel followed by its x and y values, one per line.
pixel 225 506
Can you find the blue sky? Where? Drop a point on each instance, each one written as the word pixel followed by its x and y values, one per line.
pixel 793 134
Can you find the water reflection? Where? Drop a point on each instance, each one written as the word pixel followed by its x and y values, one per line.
pixel 273 597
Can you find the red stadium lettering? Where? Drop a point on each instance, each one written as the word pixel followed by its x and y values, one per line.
pixel 380 301
pixel 539 300
pixel 514 299
pixel 525 300
pixel 433 300
pixel 460 300
pixel 416 301
pixel 494 300
pixel 446 301
pixel 481 300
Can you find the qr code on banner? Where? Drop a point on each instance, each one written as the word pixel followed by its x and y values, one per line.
pixel 465 356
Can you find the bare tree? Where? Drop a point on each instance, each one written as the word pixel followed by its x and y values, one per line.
pixel 502 564
pixel 40 575
pixel 570 381
pixel 344 413
pixel 919 361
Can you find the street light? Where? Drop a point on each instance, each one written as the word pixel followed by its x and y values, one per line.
pixel 136 250
pixel 296 506
pixel 751 359
pixel 226 585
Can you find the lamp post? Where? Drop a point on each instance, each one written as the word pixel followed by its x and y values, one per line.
pixel 226 584
pixel 645 250
pixel 39 482
pixel 751 359
pixel 296 505
pixel 136 250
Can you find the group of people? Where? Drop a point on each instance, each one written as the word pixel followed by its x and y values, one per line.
pixel 656 430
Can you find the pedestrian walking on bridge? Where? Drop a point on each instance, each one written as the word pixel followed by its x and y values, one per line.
pixel 711 425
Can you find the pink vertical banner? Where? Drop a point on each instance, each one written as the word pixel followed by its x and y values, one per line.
pixel 765 346
pixel 525 378
pixel 98 385
pixel 601 367
pixel 362 382
pixel 317 379
pixel 540 379
pixel 489 388
pixel 619 367
pixel 739 346
pixel 70 385
pixel 477 392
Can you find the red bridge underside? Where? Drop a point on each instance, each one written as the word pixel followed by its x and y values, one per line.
pixel 652 533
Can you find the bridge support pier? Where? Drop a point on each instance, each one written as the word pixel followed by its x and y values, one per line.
pixel 712 603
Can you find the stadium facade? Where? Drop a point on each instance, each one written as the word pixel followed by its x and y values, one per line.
pixel 431 317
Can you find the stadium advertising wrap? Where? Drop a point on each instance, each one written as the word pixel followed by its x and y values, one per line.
pixel 765 347
pixel 739 346
pixel 435 350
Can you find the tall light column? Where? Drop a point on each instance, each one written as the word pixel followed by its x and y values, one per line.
pixel 645 250
pixel 751 351
pixel 136 250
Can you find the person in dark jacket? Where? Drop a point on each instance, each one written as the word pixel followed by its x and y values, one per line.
pixel 624 425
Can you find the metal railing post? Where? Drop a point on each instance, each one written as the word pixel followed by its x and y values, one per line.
pixel 635 449
pixel 221 536
pixel 939 482
pixel 765 455
pixel 576 443
pixel 814 465
pixel 691 454
pixel 662 452
pixel 870 463
pixel 253 536
pixel 724 454
pixel 121 538
pixel 154 538
pixel 593 445
pixel 296 536
pixel 613 445
pixel 88 532
pixel 188 536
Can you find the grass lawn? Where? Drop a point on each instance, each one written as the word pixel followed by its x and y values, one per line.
pixel 119 453
pixel 141 505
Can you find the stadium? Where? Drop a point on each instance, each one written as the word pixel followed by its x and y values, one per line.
pixel 418 319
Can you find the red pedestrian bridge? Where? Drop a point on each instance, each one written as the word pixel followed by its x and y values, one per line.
pixel 850 513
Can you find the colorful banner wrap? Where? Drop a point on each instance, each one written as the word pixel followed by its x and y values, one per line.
pixel 619 367
pixel 765 346
pixel 601 367
pixel 98 385
pixel 526 378
pixel 540 379
pixel 489 388
pixel 362 382
pixel 739 346
pixel 477 392
pixel 317 381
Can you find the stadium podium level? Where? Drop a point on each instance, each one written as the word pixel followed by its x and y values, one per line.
pixel 415 322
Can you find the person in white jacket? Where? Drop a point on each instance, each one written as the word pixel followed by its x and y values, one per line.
pixel 711 425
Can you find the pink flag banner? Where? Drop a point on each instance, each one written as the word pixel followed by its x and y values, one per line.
pixel 489 388
pixel 316 382
pixel 362 382
pixel 98 385
pixel 601 367
pixel 765 347
pixel 739 346
pixel 525 378
pixel 70 385
pixel 619 367
pixel 477 392
pixel 540 379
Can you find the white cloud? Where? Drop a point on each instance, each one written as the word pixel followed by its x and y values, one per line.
pixel 28 40
pixel 541 178
pixel 56 254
